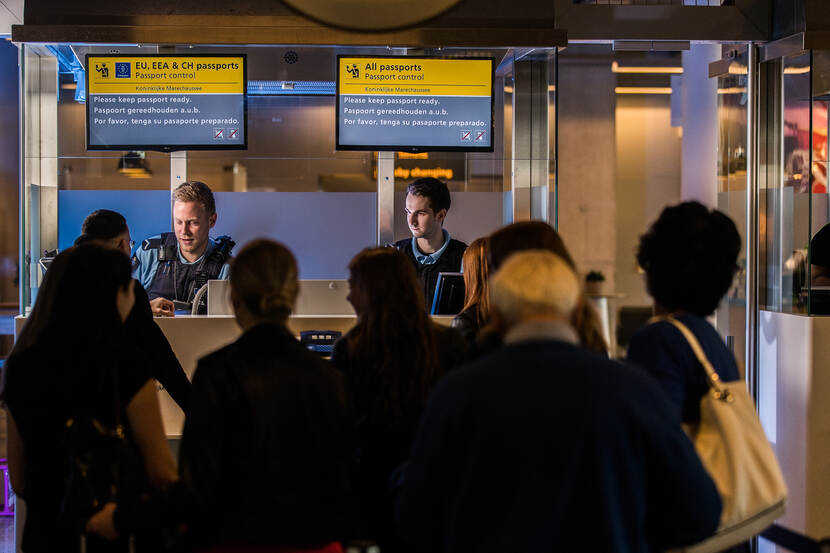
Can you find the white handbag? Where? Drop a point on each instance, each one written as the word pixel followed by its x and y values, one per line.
pixel 735 451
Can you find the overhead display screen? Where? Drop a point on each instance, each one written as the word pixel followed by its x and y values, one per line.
pixel 414 104
pixel 166 102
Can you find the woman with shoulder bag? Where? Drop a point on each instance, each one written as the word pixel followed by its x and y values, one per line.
pixel 70 368
pixel 689 255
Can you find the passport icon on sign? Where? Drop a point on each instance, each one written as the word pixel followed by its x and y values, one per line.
pixel 122 70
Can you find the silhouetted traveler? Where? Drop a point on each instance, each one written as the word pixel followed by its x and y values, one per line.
pixel 544 446
pixel 689 255
pixel 690 258
pixel 392 358
pixel 70 363
pixel 109 229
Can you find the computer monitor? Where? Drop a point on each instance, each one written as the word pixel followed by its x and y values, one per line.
pixel 449 294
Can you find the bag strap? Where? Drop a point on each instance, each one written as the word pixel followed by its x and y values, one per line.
pixel 712 376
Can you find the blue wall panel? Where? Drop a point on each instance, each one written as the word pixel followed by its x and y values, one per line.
pixel 147 211
pixel 323 229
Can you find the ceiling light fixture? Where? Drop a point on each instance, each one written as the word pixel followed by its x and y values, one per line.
pixel 732 90
pixel 674 70
pixel 133 165
pixel 643 90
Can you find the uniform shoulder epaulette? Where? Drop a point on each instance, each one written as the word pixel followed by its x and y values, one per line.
pixel 151 243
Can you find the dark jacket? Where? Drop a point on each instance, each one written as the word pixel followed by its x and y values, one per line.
pixel 663 352
pixel 264 450
pixel 449 262
pixel 544 446
pixel 163 364
pixel 382 443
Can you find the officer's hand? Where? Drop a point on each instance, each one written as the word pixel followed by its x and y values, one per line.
pixel 162 307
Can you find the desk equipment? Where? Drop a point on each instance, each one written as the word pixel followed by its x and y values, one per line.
pixel 449 294
pixel 219 298
pixel 320 341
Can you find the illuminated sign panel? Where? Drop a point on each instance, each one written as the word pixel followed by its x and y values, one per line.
pixel 166 102
pixel 414 104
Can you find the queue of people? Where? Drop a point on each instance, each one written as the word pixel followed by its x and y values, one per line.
pixel 513 431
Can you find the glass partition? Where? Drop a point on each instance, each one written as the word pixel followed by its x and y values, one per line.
pixel 291 183
pixel 819 245
pixel 785 184
pixel 733 117
pixel 794 205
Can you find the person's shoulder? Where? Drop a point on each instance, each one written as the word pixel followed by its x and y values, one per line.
pixel 656 330
pixel 570 364
pixel 148 249
pixel 699 326
pixel 219 360
pixel 458 243
pixel 610 380
pixel 403 244
pixel 150 243
pixel 465 320
pixel 665 333
pixel 456 248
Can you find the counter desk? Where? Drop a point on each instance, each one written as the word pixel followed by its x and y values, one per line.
pixel 194 336
pixel 793 391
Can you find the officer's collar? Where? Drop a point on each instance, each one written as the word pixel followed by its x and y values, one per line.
pixel 184 261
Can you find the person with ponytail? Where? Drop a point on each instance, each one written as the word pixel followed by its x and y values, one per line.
pixel 391 359
pixel 268 424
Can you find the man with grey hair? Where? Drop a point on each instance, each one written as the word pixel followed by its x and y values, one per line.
pixel 173 266
pixel 544 446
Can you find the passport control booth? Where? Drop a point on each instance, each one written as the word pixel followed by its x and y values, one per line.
pixel 307 132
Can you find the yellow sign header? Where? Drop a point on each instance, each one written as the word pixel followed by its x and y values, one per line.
pixel 415 76
pixel 166 74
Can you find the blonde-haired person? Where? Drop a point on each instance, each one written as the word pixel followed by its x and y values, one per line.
pixel 536 286
pixel 267 429
pixel 545 446
pixel 172 265
pixel 476 310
